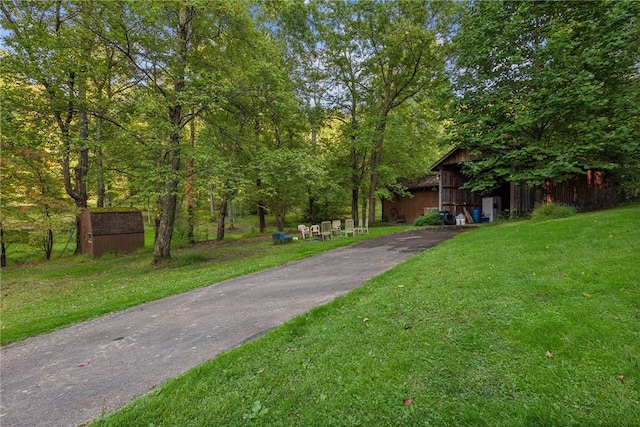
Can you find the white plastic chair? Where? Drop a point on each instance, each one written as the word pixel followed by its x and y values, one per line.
pixel 360 229
pixel 348 228
pixel 336 226
pixel 305 232
pixel 314 230
pixel 325 229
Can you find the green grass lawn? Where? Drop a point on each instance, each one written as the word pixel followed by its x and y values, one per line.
pixel 532 323
pixel 44 296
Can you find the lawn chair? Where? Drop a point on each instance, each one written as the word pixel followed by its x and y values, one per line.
pixel 325 230
pixel 280 238
pixel 360 229
pixel 348 228
pixel 314 230
pixel 335 227
pixel 305 232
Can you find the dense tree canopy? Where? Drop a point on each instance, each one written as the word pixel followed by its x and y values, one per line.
pixel 547 90
pixel 361 62
pixel 147 69
pixel 302 107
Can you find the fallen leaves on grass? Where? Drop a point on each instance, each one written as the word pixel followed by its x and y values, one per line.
pixel 549 354
pixel 407 402
pixel 621 378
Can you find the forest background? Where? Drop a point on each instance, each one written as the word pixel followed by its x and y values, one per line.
pixel 305 108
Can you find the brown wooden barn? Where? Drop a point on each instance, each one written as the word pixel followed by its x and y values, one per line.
pixel 424 196
pixel 453 198
pixel 584 191
pixel 110 230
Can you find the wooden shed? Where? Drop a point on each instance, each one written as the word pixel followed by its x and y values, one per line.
pixel 106 230
pixel 407 208
pixel 584 191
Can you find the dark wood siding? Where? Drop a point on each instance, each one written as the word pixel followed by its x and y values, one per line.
pixel 585 191
pixel 410 208
pixel 454 158
pixel 522 199
pixel 454 198
pixel 105 231
pixel 117 242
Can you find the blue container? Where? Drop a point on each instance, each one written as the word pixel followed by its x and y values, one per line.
pixel 476 214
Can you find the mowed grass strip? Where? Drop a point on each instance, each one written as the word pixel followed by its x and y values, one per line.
pixel 46 296
pixel 521 324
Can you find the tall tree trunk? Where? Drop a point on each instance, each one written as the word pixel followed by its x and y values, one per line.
pixel 355 196
pixel 312 199
pixel 101 191
pixel 82 167
pixel 77 192
pixel 191 216
pixel 188 189
pixel 103 86
pixel 3 248
pixel 223 216
pixel 47 239
pixel 312 209
pixel 261 212
pixel 280 213
pixel 168 203
pixel 355 182
pixel 262 217
pixel 47 242
pixel 169 199
pixel 76 189
pixel 357 169
pixel 212 205
pixel 376 161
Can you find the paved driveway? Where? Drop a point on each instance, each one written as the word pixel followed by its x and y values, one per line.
pixel 71 376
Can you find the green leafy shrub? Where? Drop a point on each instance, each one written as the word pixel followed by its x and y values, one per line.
pixel 552 211
pixel 432 218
